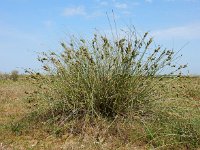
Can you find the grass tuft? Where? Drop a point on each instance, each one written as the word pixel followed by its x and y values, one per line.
pixel 119 93
pixel 103 77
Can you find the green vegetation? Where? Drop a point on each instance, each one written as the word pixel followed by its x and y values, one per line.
pixel 4 76
pixel 173 123
pixel 103 94
pixel 14 75
pixel 103 77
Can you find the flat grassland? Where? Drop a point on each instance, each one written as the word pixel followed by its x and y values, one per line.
pixel 180 129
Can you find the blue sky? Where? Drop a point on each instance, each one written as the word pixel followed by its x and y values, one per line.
pixel 31 26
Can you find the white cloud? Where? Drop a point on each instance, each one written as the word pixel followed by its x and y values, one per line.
pixel 81 11
pixel 94 14
pixel 191 31
pixel 121 5
pixel 74 11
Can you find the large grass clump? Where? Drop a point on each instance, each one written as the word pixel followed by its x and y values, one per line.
pixel 114 92
pixel 103 76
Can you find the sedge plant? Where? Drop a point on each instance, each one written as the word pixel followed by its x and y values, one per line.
pixel 103 76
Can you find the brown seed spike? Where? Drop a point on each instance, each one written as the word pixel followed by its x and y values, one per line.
pixel 145 35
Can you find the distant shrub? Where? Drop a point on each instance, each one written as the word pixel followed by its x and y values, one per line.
pixel 103 77
pixel 14 75
pixel 4 76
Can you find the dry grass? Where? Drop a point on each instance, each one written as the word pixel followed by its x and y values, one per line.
pixel 11 100
pixel 14 107
pixel 182 103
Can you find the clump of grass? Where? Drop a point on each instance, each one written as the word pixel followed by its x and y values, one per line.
pixel 111 78
pixel 14 75
pixel 103 77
